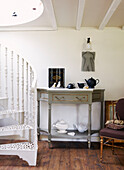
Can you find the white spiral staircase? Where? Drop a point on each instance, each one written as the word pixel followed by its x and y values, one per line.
pixel 18 106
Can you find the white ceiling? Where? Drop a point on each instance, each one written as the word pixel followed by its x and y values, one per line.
pixel 78 13
pixel 18 12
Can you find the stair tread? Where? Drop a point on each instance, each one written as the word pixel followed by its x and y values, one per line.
pixel 15 127
pixel 26 146
pixel 9 112
pixel 3 98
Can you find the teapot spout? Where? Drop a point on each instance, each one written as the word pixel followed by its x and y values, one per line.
pixel 75 126
pixel 86 81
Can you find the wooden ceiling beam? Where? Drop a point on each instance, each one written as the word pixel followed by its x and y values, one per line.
pixel 111 10
pixel 80 12
pixel 50 10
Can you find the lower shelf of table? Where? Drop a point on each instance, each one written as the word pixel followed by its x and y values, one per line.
pixel 55 134
pixel 78 135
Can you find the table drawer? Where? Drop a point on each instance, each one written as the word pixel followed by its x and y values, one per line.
pixel 78 98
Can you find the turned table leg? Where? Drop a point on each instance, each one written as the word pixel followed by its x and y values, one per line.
pixel 101 149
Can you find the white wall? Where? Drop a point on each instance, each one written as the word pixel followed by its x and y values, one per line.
pixel 64 47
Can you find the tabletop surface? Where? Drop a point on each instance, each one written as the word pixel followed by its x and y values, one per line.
pixel 66 89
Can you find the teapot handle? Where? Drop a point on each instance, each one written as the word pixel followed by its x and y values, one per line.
pixel 97 81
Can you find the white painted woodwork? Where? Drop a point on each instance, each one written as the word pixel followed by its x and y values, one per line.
pixel 30 119
pixel 22 84
pixel 17 82
pixel 12 97
pixel 6 73
pixel 81 5
pixel 34 95
pixel 117 18
pixel 0 72
pixel 31 104
pixel 24 150
pixel 14 127
pixel 12 90
pixel 17 79
pixel 111 10
pixel 26 113
pixel 50 10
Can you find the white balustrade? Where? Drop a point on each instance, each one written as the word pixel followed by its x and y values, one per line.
pixel 18 79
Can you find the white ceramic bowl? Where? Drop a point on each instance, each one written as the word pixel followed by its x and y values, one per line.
pixel 61 125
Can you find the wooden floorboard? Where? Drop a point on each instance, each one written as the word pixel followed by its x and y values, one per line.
pixel 68 156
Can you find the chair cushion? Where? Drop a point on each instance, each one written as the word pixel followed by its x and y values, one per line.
pixel 106 132
pixel 115 126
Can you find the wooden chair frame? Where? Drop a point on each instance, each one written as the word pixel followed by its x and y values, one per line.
pixel 109 141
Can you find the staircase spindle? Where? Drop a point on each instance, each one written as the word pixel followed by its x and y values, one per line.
pixel 6 73
pixel 12 90
pixel 30 112
pixel 33 115
pixel 22 85
pixel 17 82
pixel 33 112
pixel 27 92
pixel 30 115
pixel 18 87
pixel 22 69
pixel 0 74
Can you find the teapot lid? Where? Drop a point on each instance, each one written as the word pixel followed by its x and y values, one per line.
pixel 61 122
pixel 91 78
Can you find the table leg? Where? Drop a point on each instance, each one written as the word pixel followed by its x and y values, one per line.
pixel 38 120
pixel 89 126
pixel 102 115
pixel 49 124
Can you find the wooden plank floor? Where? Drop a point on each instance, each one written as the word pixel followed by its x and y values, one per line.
pixel 67 156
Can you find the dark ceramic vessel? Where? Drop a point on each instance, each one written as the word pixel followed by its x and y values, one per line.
pixel 92 82
pixel 81 85
pixel 71 86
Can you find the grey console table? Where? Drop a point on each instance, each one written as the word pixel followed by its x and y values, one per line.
pixel 70 96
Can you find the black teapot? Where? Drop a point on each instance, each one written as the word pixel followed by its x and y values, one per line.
pixel 92 82
pixel 71 86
